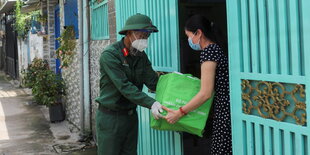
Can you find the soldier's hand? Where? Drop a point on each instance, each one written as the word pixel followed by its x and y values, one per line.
pixel 156 109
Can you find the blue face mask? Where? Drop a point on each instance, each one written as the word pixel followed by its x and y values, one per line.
pixel 195 47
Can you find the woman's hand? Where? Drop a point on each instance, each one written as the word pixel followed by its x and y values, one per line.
pixel 173 115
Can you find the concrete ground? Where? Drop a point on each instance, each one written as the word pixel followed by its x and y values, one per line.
pixel 25 128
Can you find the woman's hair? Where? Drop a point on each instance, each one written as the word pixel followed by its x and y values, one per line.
pixel 209 29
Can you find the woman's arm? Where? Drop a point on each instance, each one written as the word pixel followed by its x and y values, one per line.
pixel 208 71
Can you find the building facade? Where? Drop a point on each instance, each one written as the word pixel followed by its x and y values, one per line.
pixel 268 51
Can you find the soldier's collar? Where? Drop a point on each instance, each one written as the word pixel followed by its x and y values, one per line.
pixel 124 50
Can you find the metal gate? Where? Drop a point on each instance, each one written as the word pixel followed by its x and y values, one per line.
pixel 269 49
pixel 11 49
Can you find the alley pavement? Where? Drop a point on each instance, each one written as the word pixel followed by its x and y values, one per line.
pixel 25 129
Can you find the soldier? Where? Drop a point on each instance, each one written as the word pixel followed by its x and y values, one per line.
pixel 125 68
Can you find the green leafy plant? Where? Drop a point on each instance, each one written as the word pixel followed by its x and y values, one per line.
pixel 47 87
pixel 33 70
pixel 42 18
pixel 22 22
pixel 67 45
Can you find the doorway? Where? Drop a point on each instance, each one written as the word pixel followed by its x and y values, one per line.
pixel 11 48
pixel 215 11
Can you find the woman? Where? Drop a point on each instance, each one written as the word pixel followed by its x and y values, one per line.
pixel 202 36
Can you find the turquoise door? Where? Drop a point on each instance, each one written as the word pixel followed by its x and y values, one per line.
pixel 269 51
pixel 163 52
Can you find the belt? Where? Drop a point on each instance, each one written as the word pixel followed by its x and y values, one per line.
pixel 119 112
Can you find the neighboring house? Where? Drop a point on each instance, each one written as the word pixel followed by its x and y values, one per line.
pixel 8 50
pixel 60 14
pixel 41 42
pixel 30 46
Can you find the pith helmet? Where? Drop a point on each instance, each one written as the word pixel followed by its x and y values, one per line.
pixel 138 22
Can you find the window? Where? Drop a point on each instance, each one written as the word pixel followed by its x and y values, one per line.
pixel 99 20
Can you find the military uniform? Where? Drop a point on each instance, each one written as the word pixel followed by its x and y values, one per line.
pixel 121 83
pixel 122 79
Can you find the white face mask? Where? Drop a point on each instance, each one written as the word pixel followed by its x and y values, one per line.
pixel 139 44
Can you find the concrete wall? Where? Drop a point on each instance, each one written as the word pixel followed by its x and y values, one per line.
pixel 28 49
pixel 50 53
pixel 112 20
pixel 22 46
pixel 96 48
pixel 71 76
pixel 46 55
pixel 36 46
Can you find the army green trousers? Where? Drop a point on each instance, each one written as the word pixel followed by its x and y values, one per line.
pixel 117 134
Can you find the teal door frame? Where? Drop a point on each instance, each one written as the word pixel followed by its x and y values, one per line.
pixel 269 49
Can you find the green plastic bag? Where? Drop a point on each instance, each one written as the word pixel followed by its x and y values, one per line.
pixel 175 90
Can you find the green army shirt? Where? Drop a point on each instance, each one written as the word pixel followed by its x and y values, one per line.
pixel 122 78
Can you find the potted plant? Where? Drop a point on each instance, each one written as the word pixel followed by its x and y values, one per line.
pixel 48 90
pixel 47 87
